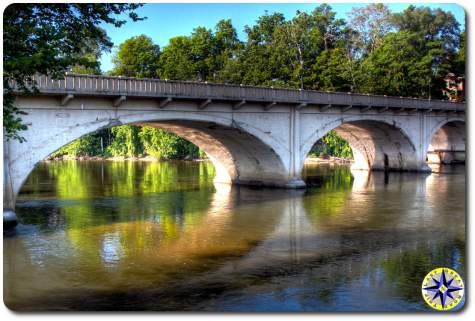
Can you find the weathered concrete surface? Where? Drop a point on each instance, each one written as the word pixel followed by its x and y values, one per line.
pixel 257 142
pixel 9 216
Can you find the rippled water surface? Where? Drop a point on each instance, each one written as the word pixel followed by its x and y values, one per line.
pixel 124 235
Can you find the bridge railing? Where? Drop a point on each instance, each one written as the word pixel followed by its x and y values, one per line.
pixel 102 85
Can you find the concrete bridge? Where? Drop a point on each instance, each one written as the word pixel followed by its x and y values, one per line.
pixel 253 135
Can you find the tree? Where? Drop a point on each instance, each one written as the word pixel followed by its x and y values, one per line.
pixel 284 53
pixel 176 60
pixel 88 61
pixel 326 62
pixel 332 145
pixel 126 141
pixel 49 39
pixel 137 57
pixel 332 71
pixel 93 144
pixel 91 67
pixel 459 60
pixel 226 48
pixel 393 68
pixel 163 145
pixel 429 25
pixel 200 56
pixel 258 64
pixel 438 39
pixel 413 60
pixel 371 24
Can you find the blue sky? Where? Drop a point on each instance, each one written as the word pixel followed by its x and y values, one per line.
pixel 165 21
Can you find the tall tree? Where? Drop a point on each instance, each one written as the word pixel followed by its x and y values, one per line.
pixel 258 64
pixel 459 60
pixel 88 61
pixel 284 53
pixel 202 43
pixel 48 39
pixel 371 24
pixel 429 25
pixel 394 68
pixel 200 56
pixel 226 48
pixel 176 61
pixel 136 57
pixel 413 60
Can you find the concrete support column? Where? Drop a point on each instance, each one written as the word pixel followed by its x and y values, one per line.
pixel 9 216
pixel 295 176
pixel 421 150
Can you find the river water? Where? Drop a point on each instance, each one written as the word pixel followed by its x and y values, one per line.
pixel 104 235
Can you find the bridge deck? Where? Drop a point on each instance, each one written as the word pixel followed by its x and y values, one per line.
pixel 89 85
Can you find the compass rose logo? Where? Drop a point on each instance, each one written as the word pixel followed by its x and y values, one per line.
pixel 442 289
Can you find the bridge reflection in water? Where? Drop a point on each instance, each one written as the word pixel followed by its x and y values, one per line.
pixel 162 236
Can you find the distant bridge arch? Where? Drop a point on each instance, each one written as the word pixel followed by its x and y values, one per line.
pixel 378 142
pixel 447 141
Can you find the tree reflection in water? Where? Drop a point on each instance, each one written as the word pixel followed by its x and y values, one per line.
pixel 162 236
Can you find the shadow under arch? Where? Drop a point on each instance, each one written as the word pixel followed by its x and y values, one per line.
pixel 238 156
pixel 447 142
pixel 376 145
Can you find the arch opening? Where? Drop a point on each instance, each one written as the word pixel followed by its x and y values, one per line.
pixel 377 145
pixel 238 157
pixel 447 145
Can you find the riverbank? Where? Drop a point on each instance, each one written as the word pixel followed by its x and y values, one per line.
pixel 119 158
pixel 308 160
pixel 328 159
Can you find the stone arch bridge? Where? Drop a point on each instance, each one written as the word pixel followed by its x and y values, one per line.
pixel 253 135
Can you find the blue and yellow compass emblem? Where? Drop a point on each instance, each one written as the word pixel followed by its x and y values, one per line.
pixel 442 289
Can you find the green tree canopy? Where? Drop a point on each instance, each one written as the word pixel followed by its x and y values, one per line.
pixel 413 60
pixel 49 39
pixel 370 23
pixel 126 141
pixel 136 57
pixel 200 56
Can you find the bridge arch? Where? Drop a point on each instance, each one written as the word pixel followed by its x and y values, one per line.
pixel 238 156
pixel 240 152
pixel 446 142
pixel 377 144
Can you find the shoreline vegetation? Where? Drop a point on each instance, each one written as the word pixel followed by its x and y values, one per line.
pixel 146 158
pixel 308 160
pixel 129 142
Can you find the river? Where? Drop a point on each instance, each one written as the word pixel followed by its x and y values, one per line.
pixel 125 235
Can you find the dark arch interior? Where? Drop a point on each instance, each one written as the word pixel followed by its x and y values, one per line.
pixel 447 146
pixel 245 158
pixel 378 146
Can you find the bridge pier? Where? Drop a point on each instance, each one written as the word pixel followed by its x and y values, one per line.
pixel 9 216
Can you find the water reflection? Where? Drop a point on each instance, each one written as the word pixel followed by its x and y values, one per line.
pixel 161 236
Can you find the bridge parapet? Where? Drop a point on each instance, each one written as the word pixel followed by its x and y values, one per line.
pixel 91 85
